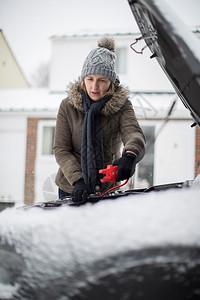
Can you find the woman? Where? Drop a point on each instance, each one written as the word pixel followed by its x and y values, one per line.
pixel 92 123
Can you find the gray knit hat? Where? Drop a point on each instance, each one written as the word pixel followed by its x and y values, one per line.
pixel 101 61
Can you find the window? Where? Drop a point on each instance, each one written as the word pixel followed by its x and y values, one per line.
pixel 121 61
pixel 145 172
pixel 47 141
pixel 46 131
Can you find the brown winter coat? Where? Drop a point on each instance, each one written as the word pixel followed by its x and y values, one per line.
pixel 119 125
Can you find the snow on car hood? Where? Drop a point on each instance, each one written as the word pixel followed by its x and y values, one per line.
pixel 131 222
pixel 54 244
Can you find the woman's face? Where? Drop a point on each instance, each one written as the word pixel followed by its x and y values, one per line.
pixel 96 86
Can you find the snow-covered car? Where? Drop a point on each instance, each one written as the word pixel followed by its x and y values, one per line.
pixel 131 245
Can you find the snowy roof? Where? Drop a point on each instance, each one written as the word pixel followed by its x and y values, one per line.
pixel 108 31
pixel 146 104
pixel 98 32
pixel 19 100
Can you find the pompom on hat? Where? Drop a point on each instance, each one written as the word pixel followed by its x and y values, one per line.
pixel 101 61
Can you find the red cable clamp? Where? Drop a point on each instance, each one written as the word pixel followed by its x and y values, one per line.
pixel 111 173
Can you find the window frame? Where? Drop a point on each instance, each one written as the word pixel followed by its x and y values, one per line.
pixel 124 58
pixel 41 125
pixel 136 177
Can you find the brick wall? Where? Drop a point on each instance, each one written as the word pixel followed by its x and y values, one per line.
pixel 31 145
pixel 31 148
pixel 197 152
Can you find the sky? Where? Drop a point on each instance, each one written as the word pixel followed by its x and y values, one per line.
pixel 29 24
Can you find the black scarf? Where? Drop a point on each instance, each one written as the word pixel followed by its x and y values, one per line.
pixel 92 154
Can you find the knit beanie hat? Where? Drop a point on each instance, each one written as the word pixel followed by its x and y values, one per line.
pixel 101 61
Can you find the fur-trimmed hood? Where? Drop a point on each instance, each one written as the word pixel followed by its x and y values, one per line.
pixel 114 105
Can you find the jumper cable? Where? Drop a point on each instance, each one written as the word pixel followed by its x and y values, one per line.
pixel 111 175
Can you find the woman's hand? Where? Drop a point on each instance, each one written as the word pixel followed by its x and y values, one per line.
pixel 126 166
pixel 79 192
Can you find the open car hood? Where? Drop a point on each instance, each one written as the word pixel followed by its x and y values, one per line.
pixel 174 46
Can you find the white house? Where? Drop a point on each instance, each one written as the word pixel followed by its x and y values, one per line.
pixel 28 116
pixel 138 72
pixel 26 153
pixel 11 75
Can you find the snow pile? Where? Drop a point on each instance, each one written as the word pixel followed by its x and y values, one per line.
pixel 7 291
pixel 137 221
pixel 63 242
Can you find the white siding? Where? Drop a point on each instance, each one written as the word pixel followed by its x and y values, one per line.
pixel 69 53
pixel 12 157
pixel 174 153
pixel 67 60
pixel 11 75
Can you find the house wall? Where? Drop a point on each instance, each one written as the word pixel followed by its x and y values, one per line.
pixel 45 168
pixel 29 188
pixel 69 53
pixel 174 157
pixel 38 167
pixel 12 157
pixel 26 172
pixel 11 75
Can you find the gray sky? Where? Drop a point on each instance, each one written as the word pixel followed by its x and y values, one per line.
pixel 28 24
